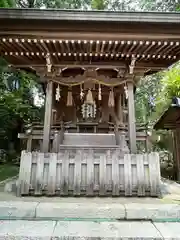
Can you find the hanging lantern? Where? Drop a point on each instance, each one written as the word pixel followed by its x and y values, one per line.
pixel 89 97
pixel 99 93
pixel 58 93
pixel 81 93
pixel 111 99
pixel 69 99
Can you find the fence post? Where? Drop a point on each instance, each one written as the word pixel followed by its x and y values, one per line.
pixel 154 173
pixel 127 175
pixel 24 173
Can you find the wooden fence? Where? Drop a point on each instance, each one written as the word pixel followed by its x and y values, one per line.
pixel 89 173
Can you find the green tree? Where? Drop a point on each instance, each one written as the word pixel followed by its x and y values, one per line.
pixel 146 93
pixel 29 3
pixel 16 105
pixel 99 4
pixel 62 4
pixel 7 4
pixel 156 5
pixel 170 82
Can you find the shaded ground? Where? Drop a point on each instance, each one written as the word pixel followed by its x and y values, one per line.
pixel 7 171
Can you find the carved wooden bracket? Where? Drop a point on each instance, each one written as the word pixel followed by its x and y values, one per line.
pixel 132 65
pixel 121 72
pixel 90 73
pixel 48 62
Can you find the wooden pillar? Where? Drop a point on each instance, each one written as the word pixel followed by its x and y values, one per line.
pixel 120 109
pixel 29 143
pixel 131 118
pixel 176 139
pixel 47 117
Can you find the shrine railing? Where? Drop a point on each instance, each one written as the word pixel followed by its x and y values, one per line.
pixel 35 134
pixel 77 172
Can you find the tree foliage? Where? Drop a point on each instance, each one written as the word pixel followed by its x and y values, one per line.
pixel 153 94
pixel 122 5
pixel 159 5
pixel 7 3
pixel 16 104
pixel 171 82
pixel 147 90
pixel 170 87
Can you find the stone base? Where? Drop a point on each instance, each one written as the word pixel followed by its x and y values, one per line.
pixel 11 186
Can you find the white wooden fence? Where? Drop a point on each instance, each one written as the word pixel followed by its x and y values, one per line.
pixel 88 173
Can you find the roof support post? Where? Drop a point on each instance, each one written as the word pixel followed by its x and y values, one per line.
pixel 47 116
pixel 120 109
pixel 176 140
pixel 131 117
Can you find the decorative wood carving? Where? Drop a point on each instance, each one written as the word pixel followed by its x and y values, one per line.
pixel 48 62
pixel 132 65
pixel 90 73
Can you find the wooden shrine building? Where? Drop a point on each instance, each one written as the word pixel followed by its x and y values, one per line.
pixel 90 63
pixel 170 120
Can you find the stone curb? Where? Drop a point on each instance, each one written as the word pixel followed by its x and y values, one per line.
pixel 60 211
pixel 152 211
pixel 63 230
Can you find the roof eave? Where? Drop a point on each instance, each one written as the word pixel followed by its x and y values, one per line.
pixel 90 16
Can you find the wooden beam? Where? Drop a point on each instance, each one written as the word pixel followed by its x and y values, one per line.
pixel 131 117
pixel 29 143
pixel 47 117
pixel 140 136
pixel 140 67
pixel 90 35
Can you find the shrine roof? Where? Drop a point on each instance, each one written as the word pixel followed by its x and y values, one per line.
pixel 99 39
pixel 170 119
pixel 81 15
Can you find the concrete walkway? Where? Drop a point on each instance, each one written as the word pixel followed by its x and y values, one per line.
pixel 86 211
pixel 88 218
pixel 55 230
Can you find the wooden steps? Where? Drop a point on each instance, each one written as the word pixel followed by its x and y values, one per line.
pixel 89 139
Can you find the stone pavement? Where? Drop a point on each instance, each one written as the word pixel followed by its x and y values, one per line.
pixel 88 218
pixel 55 230
pixel 14 210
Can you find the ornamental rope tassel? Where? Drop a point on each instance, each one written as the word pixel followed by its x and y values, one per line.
pixel 99 93
pixel 126 91
pixel 69 99
pixel 111 99
pixel 58 93
pixel 89 97
pixel 81 92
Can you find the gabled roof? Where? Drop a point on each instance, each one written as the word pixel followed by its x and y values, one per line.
pixel 81 15
pixel 170 119
pixel 149 42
